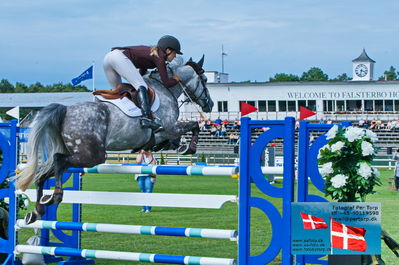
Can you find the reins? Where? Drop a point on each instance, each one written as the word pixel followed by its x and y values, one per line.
pixel 190 99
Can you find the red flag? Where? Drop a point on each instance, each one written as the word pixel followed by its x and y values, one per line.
pixel 247 108
pixel 305 113
pixel 313 222
pixel 347 237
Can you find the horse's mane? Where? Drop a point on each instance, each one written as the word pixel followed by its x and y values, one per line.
pixel 198 69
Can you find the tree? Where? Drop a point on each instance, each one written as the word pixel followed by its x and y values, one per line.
pixel 6 87
pixel 36 87
pixel 390 74
pixel 281 77
pixel 20 87
pixel 314 74
pixel 342 77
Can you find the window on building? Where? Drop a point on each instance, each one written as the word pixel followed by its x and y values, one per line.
pixel 302 103
pixel 369 105
pixel 250 102
pixel 388 105
pixel 271 105
pixel 353 105
pixel 222 106
pixel 282 105
pixel 396 105
pixel 340 105
pixel 312 105
pixel 262 105
pixel 328 105
pixel 379 105
pixel 291 105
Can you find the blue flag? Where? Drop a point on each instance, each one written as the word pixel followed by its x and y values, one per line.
pixel 87 74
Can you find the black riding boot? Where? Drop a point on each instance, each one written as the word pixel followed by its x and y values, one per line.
pixel 146 120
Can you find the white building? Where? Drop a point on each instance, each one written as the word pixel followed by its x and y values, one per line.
pixel 216 77
pixel 339 100
pixel 360 98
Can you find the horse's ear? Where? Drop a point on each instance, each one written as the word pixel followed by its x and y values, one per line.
pixel 190 60
pixel 201 62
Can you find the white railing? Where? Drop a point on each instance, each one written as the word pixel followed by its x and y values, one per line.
pixel 334 116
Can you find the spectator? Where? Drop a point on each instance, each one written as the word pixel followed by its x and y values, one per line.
pixel 236 124
pixel 396 174
pixel 201 125
pixel 236 138
pixel 218 130
pixel 145 181
pixel 213 130
pixel 397 126
pixel 223 130
pixel 361 123
pixel 373 124
pixel 218 121
pixel 226 123
pixel 366 124
pixel 208 125
pixel 231 138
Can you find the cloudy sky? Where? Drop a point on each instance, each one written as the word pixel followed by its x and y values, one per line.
pixel 52 41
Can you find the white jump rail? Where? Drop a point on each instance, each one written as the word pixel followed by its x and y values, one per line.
pixel 138 199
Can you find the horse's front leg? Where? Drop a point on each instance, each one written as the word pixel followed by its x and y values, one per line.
pixel 184 127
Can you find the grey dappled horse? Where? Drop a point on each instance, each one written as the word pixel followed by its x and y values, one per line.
pixel 79 135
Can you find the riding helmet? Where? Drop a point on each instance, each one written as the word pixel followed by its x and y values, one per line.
pixel 171 42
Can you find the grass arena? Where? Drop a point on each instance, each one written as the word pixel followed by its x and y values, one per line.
pixel 224 218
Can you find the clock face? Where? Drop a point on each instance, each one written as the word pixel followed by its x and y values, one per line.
pixel 361 70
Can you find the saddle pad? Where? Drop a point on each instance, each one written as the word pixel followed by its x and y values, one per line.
pixel 127 106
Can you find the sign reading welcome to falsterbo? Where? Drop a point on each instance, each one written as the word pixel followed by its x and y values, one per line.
pixel 336 228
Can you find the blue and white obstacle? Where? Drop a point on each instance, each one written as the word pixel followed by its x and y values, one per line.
pixel 132 229
pixel 169 170
pixel 118 255
pixel 250 173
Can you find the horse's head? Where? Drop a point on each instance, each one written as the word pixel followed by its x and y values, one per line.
pixel 194 80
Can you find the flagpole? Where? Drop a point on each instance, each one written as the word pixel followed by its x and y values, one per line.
pixel 94 88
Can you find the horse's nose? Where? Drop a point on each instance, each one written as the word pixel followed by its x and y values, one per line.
pixel 208 107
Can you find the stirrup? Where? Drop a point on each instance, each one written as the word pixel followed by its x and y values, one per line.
pixel 148 123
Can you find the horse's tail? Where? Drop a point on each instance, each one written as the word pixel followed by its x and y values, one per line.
pixel 45 140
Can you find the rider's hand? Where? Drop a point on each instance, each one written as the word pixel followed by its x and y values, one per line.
pixel 176 77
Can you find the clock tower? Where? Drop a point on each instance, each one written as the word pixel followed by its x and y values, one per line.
pixel 363 67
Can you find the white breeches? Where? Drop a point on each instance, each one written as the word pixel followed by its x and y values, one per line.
pixel 118 66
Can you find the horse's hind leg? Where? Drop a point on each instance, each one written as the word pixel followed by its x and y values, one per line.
pixel 39 208
pixel 61 164
pixel 87 158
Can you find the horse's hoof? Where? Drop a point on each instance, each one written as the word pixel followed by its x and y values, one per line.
pixel 51 199
pixel 31 217
pixel 188 151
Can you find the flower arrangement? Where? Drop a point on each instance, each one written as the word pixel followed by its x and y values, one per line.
pixel 345 163
pixel 22 199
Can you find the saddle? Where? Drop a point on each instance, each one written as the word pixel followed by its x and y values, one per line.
pixel 125 90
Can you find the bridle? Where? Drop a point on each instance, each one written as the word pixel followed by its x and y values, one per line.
pixel 199 71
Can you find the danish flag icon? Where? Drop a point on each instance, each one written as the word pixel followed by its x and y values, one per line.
pixel 347 237
pixel 313 222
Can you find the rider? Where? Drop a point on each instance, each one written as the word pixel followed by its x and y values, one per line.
pixel 132 62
